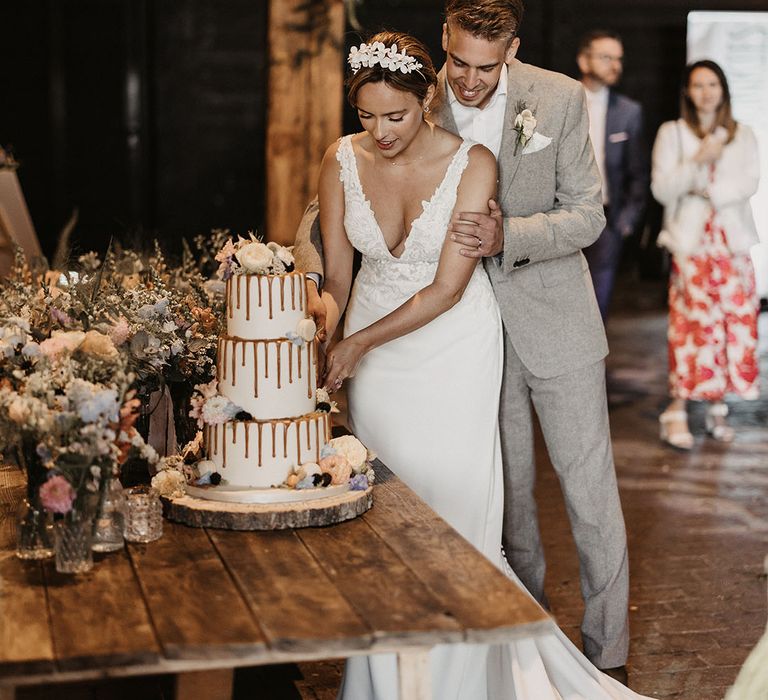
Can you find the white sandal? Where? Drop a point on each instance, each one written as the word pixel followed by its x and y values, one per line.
pixel 721 431
pixel 679 439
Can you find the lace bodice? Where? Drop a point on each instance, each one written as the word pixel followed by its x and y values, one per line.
pixel 389 279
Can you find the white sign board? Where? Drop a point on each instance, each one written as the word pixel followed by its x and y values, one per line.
pixel 738 42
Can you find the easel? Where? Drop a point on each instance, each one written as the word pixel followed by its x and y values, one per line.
pixel 15 223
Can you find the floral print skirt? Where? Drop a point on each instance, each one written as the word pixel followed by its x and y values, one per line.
pixel 713 307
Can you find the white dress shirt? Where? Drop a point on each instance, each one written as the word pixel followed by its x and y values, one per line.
pixel 597 107
pixel 484 125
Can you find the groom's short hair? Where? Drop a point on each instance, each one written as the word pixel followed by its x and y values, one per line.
pixel 487 19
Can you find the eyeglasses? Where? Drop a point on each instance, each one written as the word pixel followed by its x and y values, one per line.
pixel 605 58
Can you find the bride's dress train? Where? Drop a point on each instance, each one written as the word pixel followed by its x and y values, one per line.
pixel 428 403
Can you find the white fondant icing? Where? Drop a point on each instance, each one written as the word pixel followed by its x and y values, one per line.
pixel 265 306
pixel 262 454
pixel 268 378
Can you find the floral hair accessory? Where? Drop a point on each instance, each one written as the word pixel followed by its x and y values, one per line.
pixel 370 55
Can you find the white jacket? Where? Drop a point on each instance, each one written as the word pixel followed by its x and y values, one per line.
pixel 674 174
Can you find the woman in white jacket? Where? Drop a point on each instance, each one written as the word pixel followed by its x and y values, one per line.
pixel 705 169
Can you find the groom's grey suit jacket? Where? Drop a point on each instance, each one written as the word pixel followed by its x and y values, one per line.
pixel 552 206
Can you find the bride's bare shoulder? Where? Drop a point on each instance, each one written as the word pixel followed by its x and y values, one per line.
pixel 447 140
pixel 481 157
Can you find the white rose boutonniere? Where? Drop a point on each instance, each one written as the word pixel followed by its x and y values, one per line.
pixel 525 125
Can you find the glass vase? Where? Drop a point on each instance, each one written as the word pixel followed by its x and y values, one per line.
pixel 34 531
pixel 34 525
pixel 73 536
pixel 110 517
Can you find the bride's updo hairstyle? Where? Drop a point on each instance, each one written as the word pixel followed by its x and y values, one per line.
pixel 416 80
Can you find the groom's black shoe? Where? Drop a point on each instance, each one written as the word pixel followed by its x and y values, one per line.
pixel 618 673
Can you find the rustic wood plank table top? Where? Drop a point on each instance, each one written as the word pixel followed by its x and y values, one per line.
pixel 397 579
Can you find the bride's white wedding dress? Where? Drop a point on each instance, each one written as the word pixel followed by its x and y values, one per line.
pixel 428 404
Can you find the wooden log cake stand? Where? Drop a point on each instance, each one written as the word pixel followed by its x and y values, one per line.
pixel 336 508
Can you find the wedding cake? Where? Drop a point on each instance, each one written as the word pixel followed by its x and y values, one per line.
pixel 265 423
pixel 266 369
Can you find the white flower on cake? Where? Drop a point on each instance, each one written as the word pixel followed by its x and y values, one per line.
pixel 306 329
pixel 282 253
pixel 255 258
pixel 352 449
pixel 218 410
pixel 170 483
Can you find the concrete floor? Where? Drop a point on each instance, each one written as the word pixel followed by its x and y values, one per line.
pixel 698 532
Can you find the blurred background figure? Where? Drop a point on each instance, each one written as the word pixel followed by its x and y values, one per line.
pixel 616 132
pixel 705 169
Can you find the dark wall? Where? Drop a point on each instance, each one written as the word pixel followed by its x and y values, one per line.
pixel 146 115
pixel 149 115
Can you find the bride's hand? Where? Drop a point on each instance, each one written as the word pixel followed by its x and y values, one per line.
pixel 342 362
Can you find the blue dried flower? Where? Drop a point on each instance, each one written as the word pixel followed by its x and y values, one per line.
pixel 359 482
pixel 297 340
pixel 327 451
pixel 306 483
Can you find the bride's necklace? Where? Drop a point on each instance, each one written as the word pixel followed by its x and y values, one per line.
pixel 409 162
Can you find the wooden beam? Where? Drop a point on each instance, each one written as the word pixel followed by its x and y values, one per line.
pixel 305 89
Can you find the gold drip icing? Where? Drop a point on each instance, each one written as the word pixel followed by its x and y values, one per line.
pixel 269 289
pixel 247 297
pixel 282 293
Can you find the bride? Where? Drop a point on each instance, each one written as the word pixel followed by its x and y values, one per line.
pixel 422 351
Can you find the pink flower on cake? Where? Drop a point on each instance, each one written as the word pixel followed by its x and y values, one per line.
pixel 57 495
pixel 338 467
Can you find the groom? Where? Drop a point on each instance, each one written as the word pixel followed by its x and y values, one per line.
pixel 550 208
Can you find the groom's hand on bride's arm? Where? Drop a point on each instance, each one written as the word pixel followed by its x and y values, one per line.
pixel 479 235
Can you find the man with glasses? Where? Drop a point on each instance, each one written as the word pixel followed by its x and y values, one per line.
pixel 615 128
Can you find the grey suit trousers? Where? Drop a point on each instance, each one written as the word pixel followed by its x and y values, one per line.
pixel 573 415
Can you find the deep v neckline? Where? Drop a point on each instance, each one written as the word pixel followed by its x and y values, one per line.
pixel 426 204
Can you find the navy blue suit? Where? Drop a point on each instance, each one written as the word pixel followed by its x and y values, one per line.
pixel 626 174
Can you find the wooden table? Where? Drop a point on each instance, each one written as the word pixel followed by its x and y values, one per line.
pixel 201 602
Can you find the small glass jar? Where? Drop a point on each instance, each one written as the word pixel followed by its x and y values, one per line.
pixel 109 522
pixel 143 514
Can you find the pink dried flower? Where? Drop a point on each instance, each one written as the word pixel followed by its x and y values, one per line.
pixel 57 495
pixel 120 331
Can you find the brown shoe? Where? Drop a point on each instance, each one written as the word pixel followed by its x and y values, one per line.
pixel 618 673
